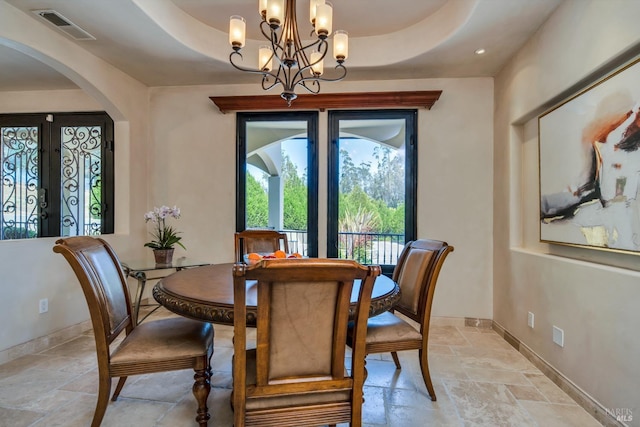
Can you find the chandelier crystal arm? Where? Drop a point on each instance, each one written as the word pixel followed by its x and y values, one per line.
pixel 265 74
pixel 312 44
pixel 318 79
pixel 266 85
pixel 267 34
pixel 303 51
pixel 299 76
pixel 243 68
pixel 316 86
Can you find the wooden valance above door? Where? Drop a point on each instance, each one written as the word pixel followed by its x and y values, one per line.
pixel 324 101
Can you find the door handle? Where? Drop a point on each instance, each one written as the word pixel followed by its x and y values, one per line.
pixel 42 198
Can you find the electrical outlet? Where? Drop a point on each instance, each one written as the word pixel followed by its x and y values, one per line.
pixel 530 319
pixel 558 336
pixel 43 305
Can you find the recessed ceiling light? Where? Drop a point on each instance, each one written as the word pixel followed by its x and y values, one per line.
pixel 479 51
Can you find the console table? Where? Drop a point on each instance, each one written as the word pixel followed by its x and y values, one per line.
pixel 138 270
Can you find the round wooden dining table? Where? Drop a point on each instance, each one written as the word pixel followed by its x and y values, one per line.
pixel 206 294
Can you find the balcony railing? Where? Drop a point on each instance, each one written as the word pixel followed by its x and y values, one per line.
pixel 297 241
pixel 366 248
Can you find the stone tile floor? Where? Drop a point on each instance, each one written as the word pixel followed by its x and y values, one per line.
pixel 479 379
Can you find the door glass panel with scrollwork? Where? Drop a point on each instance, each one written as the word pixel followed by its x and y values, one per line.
pixel 20 177
pixel 81 179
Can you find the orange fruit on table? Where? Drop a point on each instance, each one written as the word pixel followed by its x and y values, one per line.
pixel 279 254
pixel 254 256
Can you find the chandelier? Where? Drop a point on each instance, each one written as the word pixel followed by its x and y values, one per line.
pixel 286 60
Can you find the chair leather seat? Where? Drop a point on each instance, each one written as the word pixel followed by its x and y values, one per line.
pixel 164 339
pixel 387 327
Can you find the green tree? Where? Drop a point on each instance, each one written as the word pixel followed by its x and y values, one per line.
pixel 352 176
pixel 257 201
pixel 354 201
pixel 295 196
pixel 391 219
pixel 347 176
pixel 371 201
pixel 356 222
pixel 387 184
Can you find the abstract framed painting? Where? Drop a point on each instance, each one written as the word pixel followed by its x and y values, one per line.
pixel 589 148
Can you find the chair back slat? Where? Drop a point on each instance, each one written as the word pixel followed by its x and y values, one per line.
pixel 259 241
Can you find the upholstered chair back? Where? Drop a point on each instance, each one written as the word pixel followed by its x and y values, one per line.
pixel 298 367
pixel 417 273
pixel 262 245
pixel 302 325
pixel 103 282
pixel 259 241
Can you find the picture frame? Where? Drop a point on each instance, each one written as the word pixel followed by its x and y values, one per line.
pixel 589 166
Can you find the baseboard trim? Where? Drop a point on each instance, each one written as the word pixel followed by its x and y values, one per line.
pixel 46 342
pixel 592 406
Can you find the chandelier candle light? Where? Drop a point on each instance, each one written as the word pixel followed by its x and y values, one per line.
pixel 286 60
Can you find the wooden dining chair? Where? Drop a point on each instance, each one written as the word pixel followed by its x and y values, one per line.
pixel 259 241
pixel 152 346
pixel 296 376
pixel 416 273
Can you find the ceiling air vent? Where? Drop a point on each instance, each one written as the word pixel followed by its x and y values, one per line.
pixel 63 24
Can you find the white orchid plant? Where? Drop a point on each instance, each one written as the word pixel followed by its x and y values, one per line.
pixel 165 236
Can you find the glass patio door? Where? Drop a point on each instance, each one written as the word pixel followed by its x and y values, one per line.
pixel 372 185
pixel 278 176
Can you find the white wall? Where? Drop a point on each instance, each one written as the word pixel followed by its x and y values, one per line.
pixel 183 153
pixel 174 147
pixel 29 269
pixel 193 166
pixel 578 290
